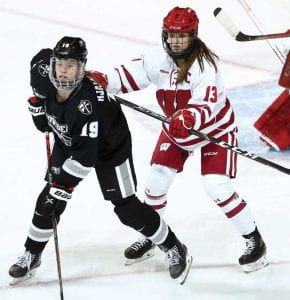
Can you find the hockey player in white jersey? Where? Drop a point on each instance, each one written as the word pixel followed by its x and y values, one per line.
pixel 190 91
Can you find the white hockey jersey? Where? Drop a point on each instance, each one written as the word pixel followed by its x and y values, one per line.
pixel 202 93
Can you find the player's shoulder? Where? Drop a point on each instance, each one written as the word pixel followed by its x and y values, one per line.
pixel 156 59
pixel 93 101
pixel 94 93
pixel 42 57
pixel 94 89
pixel 39 65
pixel 208 68
pixel 39 71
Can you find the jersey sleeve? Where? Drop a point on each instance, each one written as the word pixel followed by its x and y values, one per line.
pixel 128 77
pixel 39 69
pixel 38 82
pixel 208 97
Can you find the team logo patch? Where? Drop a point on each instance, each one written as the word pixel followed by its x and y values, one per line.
pixel 85 107
pixel 210 153
pixel 164 146
pixel 55 170
pixel 43 70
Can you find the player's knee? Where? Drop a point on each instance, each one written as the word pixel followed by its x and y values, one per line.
pixel 38 219
pixel 137 215
pixel 159 180
pixel 41 196
pixel 158 183
pixel 217 186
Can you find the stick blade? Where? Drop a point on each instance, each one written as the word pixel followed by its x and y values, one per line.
pixel 241 37
pixel 226 22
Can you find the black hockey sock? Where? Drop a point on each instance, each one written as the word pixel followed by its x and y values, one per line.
pixel 138 216
pixel 33 246
pixel 169 242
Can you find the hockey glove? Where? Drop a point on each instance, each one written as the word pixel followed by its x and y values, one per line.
pixel 181 121
pixel 55 201
pixel 99 77
pixel 37 110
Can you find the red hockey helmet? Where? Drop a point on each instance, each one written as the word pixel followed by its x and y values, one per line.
pixel 180 20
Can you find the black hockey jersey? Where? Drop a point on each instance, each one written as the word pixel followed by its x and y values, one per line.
pixel 89 126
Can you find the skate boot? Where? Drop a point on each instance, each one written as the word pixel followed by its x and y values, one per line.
pixel 138 251
pixel 25 267
pixel 178 261
pixel 254 257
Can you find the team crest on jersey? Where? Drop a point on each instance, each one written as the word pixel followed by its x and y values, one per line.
pixel 55 170
pixel 164 146
pixel 85 107
pixel 43 70
pixel 61 130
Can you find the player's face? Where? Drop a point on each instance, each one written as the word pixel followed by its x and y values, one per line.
pixel 178 41
pixel 66 69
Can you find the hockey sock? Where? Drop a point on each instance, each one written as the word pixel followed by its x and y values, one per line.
pixel 138 216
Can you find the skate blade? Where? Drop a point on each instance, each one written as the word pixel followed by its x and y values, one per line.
pixel 145 256
pixel 18 280
pixel 181 279
pixel 259 264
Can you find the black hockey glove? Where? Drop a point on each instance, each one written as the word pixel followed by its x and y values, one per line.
pixel 37 110
pixel 55 201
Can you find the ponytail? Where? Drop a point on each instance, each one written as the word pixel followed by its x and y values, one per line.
pixel 200 52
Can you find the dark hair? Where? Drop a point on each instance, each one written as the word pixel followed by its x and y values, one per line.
pixel 200 52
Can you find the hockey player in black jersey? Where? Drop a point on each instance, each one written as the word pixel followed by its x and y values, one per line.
pixel 90 132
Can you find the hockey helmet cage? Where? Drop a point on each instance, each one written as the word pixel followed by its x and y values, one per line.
pixel 180 20
pixel 68 48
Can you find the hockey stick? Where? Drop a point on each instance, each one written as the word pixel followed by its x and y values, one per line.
pixel 228 24
pixel 262 30
pixel 54 221
pixel 204 136
pixel 239 36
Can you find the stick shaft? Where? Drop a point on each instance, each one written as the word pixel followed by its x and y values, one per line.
pixel 54 221
pixel 261 28
pixel 204 136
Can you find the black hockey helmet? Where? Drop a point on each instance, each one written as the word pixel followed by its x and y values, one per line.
pixel 68 48
pixel 71 47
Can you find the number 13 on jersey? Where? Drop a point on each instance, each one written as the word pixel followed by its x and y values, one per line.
pixel 211 94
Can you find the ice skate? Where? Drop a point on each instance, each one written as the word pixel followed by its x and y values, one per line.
pixel 179 262
pixel 25 268
pixel 139 251
pixel 254 257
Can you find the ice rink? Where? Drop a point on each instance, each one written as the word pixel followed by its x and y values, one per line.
pixel 91 238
